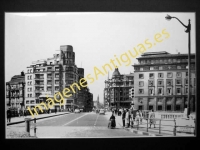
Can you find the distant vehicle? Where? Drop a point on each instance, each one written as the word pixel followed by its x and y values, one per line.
pixel 81 110
pixel 102 111
pixel 77 110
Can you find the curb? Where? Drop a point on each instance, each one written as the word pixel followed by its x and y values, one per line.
pixel 36 119
pixel 141 132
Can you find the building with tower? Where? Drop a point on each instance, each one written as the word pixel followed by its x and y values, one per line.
pixel 48 76
pixel 119 90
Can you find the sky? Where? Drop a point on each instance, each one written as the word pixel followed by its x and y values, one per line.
pixel 96 38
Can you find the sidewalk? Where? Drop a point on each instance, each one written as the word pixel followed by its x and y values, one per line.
pixel 167 127
pixel 16 120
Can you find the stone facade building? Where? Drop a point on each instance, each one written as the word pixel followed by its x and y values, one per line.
pixel 161 82
pixel 118 90
pixel 15 91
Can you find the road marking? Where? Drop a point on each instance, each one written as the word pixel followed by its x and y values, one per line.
pixel 74 120
pixel 96 120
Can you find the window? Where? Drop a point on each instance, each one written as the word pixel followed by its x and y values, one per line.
pixel 178 67
pixel 178 74
pixel 178 81
pixel 186 73
pixel 160 68
pixel 30 89
pixel 160 75
pixel 151 68
pixel 178 107
pixel 30 95
pixel 169 107
pixel 151 82
pixel 178 91
pixel 150 107
pixel 186 90
pixel 169 91
pixel 30 77
pixel 160 83
pixel 141 83
pixel 160 91
pixel 169 75
pixel 151 75
pixel 186 81
pixel 169 82
pixel 141 76
pixel 159 107
pixel 30 70
pixel 141 68
pixel 141 91
pixel 151 91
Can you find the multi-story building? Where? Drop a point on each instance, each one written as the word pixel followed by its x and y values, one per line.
pixel 51 76
pixel 161 81
pixel 118 90
pixel 15 91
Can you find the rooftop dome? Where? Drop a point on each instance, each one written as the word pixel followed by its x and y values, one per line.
pixel 115 73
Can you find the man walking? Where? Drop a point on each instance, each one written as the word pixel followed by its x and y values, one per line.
pixel 8 115
pixel 123 117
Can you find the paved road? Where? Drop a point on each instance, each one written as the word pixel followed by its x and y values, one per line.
pixel 77 125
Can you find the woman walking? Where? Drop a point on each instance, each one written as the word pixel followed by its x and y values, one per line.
pixel 152 118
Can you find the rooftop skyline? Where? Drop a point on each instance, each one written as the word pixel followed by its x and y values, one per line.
pixel 96 38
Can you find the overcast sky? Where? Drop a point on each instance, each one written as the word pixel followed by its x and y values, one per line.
pixel 95 37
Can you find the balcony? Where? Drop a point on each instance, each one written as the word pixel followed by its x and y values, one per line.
pixel 39 78
pixel 38 91
pixel 49 70
pixel 49 78
pixel 49 84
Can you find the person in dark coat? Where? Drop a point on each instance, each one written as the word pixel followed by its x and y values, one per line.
pixel 24 112
pixel 112 120
pixel 123 117
pixel 8 115
pixel 55 110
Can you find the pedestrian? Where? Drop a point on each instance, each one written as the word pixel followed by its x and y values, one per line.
pixel 152 118
pixel 18 111
pixel 8 115
pixel 127 118
pixel 112 122
pixel 141 116
pixel 24 112
pixel 55 110
pixel 137 118
pixel 123 117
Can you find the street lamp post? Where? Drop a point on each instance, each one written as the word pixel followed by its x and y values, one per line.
pixel 188 28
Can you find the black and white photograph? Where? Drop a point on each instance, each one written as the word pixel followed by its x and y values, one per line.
pixel 100 75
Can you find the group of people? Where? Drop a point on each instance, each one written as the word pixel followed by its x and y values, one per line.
pixel 131 116
pixel 20 113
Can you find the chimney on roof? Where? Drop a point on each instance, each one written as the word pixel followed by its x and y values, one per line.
pixel 22 73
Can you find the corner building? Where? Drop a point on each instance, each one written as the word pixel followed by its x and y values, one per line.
pixel 118 90
pixel 161 82
pixel 52 75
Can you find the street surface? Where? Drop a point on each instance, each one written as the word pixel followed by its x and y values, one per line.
pixel 75 126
